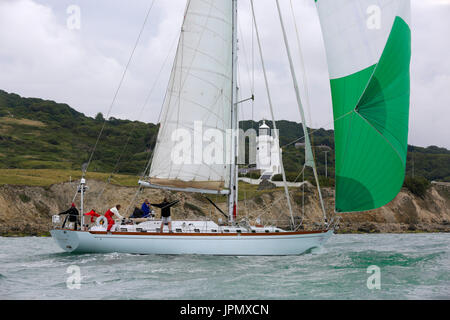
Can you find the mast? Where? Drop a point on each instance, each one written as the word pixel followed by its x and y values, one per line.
pixel 308 146
pixel 233 196
pixel 82 189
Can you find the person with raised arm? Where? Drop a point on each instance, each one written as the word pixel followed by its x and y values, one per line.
pixel 165 213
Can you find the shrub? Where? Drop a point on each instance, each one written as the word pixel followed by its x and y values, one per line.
pixel 290 177
pixel 417 186
pixel 254 175
pixel 24 198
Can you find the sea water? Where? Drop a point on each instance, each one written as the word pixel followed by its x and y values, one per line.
pixel 381 266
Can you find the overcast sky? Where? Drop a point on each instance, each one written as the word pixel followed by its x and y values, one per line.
pixel 43 56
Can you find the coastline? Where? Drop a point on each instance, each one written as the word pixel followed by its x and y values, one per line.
pixel 27 210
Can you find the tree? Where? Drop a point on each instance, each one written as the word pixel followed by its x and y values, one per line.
pixel 99 117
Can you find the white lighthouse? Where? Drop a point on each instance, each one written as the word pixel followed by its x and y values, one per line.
pixel 268 153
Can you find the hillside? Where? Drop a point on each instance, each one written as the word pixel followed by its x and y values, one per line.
pixel 41 134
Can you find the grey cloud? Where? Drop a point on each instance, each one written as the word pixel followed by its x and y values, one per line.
pixel 40 57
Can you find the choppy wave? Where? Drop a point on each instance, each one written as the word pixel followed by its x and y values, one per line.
pixel 411 267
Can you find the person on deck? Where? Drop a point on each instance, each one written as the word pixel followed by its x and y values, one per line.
pixel 137 213
pixel 92 214
pixel 146 208
pixel 165 213
pixel 110 214
pixel 72 216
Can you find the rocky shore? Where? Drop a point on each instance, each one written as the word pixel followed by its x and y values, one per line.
pixel 27 211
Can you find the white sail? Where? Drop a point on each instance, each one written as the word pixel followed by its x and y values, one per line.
pixel 198 99
pixel 355 32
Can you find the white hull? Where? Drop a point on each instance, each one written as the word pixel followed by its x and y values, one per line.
pixel 294 243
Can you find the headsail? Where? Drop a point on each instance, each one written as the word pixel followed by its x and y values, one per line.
pixel 368 47
pixel 198 99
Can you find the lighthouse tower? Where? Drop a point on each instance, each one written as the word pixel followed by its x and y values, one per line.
pixel 268 153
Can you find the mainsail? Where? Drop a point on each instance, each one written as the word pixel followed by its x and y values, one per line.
pixel 198 101
pixel 368 46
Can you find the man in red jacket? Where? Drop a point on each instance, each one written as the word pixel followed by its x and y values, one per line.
pixel 92 214
pixel 110 214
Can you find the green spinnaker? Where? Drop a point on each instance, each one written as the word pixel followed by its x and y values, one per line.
pixel 371 111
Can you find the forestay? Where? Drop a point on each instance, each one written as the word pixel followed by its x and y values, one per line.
pixel 198 99
pixel 368 46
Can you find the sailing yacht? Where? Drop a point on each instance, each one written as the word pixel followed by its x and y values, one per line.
pixel 369 70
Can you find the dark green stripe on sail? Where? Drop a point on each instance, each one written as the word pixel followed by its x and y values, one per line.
pixel 371 110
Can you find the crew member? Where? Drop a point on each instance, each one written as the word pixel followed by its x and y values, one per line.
pixel 72 216
pixel 137 213
pixel 110 214
pixel 165 213
pixel 146 208
pixel 92 214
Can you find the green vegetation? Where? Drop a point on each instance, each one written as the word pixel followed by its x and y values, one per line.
pixel 48 177
pixel 58 140
pixel 432 163
pixel 24 198
pixel 417 185
pixel 39 134
pixel 251 175
pixel 290 177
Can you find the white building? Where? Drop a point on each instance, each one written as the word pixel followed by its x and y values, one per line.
pixel 268 152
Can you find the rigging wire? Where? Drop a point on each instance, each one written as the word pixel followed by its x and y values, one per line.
pixel 299 102
pixel 303 69
pixel 272 113
pixel 118 88
pixel 246 61
pixel 242 116
pixel 303 66
pixel 144 106
pixel 147 167
pixel 253 71
pixel 315 130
